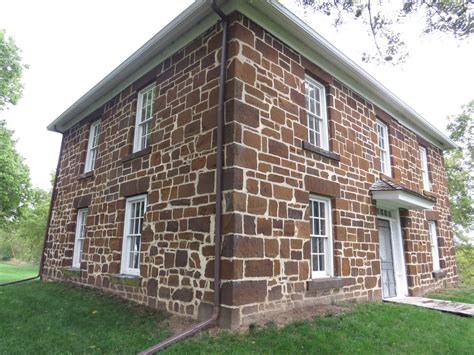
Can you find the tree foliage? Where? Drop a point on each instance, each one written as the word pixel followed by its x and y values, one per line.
pixel 385 20
pixel 14 178
pixel 11 70
pixel 23 238
pixel 460 171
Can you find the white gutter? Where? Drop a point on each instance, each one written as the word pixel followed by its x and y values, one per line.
pixel 287 24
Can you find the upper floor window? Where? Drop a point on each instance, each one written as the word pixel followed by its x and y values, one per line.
pixel 424 169
pixel 80 236
pixel 144 118
pixel 92 146
pixel 321 237
pixel 384 148
pixel 434 245
pixel 132 233
pixel 316 112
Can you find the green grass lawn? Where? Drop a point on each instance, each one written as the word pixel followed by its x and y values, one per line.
pixel 56 318
pixel 12 272
pixel 53 318
pixel 372 328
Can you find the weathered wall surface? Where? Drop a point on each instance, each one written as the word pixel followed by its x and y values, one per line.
pixel 177 173
pixel 270 219
pixel 269 176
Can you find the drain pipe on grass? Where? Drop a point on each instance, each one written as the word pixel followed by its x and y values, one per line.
pixel 218 223
pixel 50 211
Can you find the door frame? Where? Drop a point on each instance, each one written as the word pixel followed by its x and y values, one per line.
pixel 399 265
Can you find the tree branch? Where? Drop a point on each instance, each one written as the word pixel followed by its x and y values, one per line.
pixel 372 28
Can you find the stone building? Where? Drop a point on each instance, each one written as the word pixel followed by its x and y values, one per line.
pixel 333 188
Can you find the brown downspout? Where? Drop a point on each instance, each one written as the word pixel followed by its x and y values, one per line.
pixel 218 233
pixel 53 197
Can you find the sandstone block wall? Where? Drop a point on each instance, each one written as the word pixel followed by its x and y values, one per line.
pixel 177 173
pixel 270 212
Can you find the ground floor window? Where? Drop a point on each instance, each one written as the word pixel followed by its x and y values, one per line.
pixel 134 216
pixel 321 237
pixel 80 236
pixel 434 245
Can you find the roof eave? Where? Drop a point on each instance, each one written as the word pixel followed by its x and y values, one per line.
pixel 186 19
pixel 200 10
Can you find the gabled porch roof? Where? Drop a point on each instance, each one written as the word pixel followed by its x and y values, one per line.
pixel 391 194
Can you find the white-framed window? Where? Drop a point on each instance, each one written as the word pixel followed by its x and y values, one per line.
pixel 424 169
pixel 316 110
pixel 434 245
pixel 321 237
pixel 132 232
pixel 384 148
pixel 144 118
pixel 92 146
pixel 80 236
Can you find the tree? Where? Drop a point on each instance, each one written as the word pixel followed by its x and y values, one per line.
pixel 22 239
pixel 384 21
pixel 14 179
pixel 11 70
pixel 460 171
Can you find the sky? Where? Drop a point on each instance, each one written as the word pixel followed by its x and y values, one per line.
pixel 71 45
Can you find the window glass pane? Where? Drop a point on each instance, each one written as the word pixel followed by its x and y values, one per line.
pixel 317 94
pixel 318 126
pixel 311 121
pixel 315 263
pixel 80 248
pixel 321 242
pixel 318 140
pixel 321 262
pixel 137 243
pixel 136 260
pixel 314 245
pixel 322 209
pixel 316 230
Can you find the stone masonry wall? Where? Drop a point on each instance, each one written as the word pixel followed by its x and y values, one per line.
pixel 269 176
pixel 177 173
pixel 268 242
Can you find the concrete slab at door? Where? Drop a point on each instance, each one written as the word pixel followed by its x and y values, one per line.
pixel 460 308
